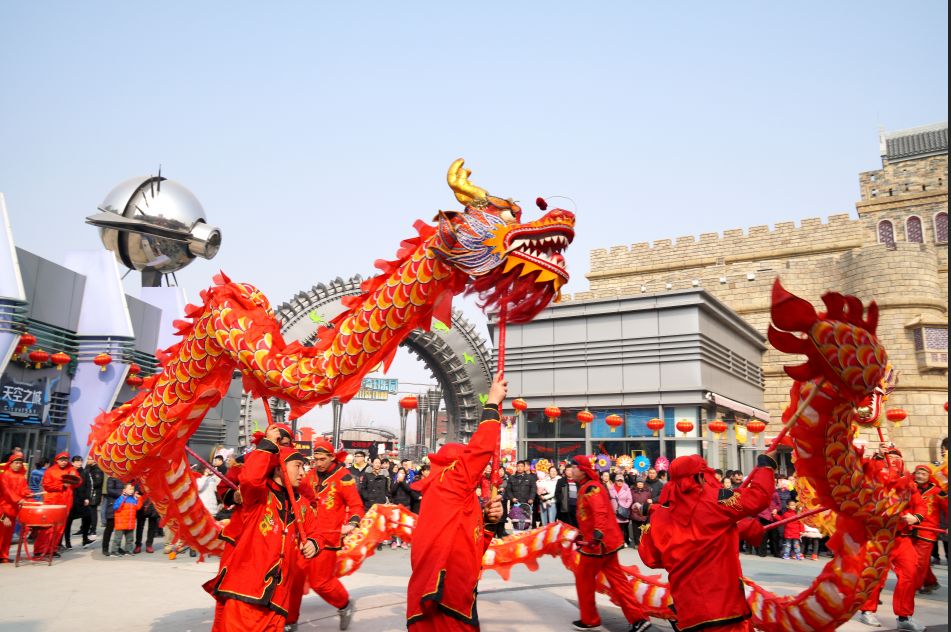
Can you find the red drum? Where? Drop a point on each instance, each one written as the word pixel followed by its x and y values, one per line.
pixel 40 514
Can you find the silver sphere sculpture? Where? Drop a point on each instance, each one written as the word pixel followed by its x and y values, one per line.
pixel 155 225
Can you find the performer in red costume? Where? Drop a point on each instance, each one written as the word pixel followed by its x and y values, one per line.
pixel 601 540
pixel 889 468
pixel 58 483
pixel 13 491
pixel 450 537
pixel 253 586
pixel 935 509
pixel 276 434
pixel 332 491
pixel 694 533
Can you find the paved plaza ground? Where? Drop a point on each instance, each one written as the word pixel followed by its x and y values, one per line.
pixel 86 591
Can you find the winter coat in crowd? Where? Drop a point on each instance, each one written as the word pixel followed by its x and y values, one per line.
pixel 401 494
pixel 125 508
pixel 639 514
pixel 654 486
pixel 620 498
pixel 775 506
pixel 521 488
pixel 207 492
pixel 80 495
pixel 113 491
pixel 791 530
pixel 374 488
pixel 94 478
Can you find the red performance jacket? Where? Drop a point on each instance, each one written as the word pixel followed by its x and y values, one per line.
pixel 58 483
pixel 13 489
pixel 267 544
pixel 702 557
pixel 596 521
pixel 336 500
pixel 450 538
pixel 934 506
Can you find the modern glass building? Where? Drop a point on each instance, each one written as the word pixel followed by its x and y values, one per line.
pixel 678 357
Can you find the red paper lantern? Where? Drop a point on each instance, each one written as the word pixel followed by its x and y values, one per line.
pixel 684 426
pixel 59 359
pixel 553 413
pixel 38 357
pixel 134 381
pixel 717 427
pixel 102 361
pixel 896 415
pixel 134 369
pixel 615 421
pixel 409 402
pixel 755 426
pixel 656 425
pixel 520 405
pixel 26 341
pixel 584 417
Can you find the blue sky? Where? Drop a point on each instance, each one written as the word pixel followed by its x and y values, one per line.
pixel 315 134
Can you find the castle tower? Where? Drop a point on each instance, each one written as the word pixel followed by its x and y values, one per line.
pixel 896 252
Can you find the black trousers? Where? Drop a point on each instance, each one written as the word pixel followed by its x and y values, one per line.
pixel 771 539
pixel 78 513
pixel 636 526
pixel 140 520
pixel 107 534
pixel 90 522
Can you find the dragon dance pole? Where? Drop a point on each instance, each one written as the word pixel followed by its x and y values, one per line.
pixel 801 516
pixel 496 478
pixel 796 415
pixel 211 468
pixel 287 480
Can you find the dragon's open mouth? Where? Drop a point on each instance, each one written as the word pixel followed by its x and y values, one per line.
pixel 541 246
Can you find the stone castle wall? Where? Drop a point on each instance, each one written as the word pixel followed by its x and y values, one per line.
pixel 843 254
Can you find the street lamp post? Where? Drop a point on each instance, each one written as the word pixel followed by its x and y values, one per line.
pixel 435 399
pixel 422 414
pixel 337 408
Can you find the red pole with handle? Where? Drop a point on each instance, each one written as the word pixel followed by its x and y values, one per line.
pixel 211 468
pixel 496 478
pixel 801 516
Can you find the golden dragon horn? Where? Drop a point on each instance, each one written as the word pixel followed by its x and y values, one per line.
pixel 465 191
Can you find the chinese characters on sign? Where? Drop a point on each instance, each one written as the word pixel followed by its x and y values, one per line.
pixel 377 388
pixel 24 401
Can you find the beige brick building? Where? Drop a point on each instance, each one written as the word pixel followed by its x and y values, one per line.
pixel 896 252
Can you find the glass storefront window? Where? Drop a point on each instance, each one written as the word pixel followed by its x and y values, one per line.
pixel 554 451
pixel 637 419
pixel 566 427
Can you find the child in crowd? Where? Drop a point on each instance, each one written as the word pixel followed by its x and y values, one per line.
pixel 792 531
pixel 125 507
pixel 812 539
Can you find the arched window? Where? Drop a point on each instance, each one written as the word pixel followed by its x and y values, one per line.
pixel 941 228
pixel 913 230
pixel 886 232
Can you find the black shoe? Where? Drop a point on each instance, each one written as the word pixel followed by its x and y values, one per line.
pixel 78 533
pixel 105 553
pixel 641 626
pixel 121 552
pixel 57 555
pixel 581 625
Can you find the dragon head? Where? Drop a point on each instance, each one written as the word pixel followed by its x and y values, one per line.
pixel 507 260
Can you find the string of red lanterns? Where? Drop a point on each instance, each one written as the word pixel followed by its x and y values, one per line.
pixel 684 426
pixel 717 427
pixel 656 425
pixel 553 413
pixel 584 417
pixel 102 361
pixel 614 421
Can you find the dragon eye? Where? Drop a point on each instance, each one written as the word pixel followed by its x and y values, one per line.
pixel 510 217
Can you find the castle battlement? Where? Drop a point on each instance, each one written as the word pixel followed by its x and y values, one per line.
pixel 812 234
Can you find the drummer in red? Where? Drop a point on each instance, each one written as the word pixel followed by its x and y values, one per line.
pixel 253 587
pixel 694 533
pixel 13 492
pixel 451 537
pixel 58 483
pixel 333 492
pixel 601 539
